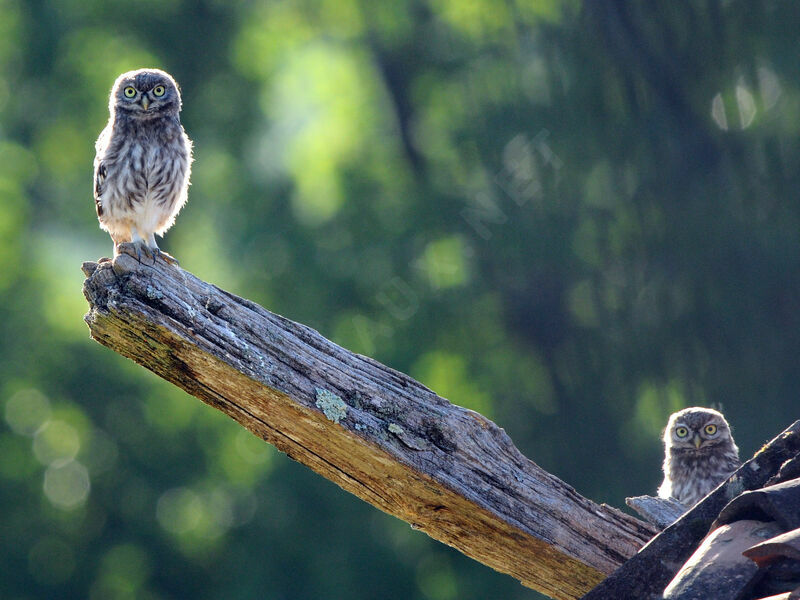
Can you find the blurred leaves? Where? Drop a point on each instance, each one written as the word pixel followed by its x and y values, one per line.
pixel 574 218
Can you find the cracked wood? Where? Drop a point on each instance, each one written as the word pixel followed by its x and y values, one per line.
pixel 375 432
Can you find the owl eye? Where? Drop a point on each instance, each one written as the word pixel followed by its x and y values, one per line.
pixel 159 90
pixel 681 432
pixel 129 92
pixel 711 429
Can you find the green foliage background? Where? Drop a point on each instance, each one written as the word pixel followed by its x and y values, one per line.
pixel 572 218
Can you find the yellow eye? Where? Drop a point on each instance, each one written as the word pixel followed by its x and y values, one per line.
pixel 159 90
pixel 681 432
pixel 129 92
pixel 711 429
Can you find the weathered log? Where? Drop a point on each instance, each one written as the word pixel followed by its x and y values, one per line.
pixel 375 432
pixel 647 574
pixel 661 512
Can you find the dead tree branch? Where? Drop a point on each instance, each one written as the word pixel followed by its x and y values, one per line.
pixel 375 432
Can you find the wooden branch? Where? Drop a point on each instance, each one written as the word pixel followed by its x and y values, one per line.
pixel 375 432
pixel 661 512
pixel 647 574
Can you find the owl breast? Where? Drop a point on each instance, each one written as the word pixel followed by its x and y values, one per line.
pixel 692 477
pixel 147 172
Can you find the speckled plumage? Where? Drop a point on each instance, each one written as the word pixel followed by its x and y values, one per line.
pixel 143 160
pixel 697 460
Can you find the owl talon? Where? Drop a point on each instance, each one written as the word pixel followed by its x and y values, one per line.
pixel 139 247
pixel 170 260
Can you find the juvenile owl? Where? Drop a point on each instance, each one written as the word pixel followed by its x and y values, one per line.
pixel 143 161
pixel 699 454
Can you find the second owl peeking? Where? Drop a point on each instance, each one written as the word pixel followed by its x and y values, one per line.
pixel 143 162
pixel 699 454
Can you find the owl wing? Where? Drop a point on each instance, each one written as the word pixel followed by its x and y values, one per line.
pixel 100 169
pixel 100 173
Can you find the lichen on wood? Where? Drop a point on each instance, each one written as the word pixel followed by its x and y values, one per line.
pixel 331 405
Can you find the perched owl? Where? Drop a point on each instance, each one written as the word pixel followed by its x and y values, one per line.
pixel 699 454
pixel 143 161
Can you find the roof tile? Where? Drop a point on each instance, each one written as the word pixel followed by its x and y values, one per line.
pixel 785 545
pixel 718 569
pixel 779 503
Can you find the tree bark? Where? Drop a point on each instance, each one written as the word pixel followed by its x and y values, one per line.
pixel 661 512
pixel 375 432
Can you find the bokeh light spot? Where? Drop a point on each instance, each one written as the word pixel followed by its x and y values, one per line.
pixel 55 443
pixel 443 261
pixel 26 411
pixel 746 104
pixel 179 510
pixel 67 485
pixel 718 112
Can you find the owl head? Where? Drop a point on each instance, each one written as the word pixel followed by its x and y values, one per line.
pixel 145 93
pixel 697 430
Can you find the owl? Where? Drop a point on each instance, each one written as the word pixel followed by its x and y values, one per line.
pixel 699 454
pixel 143 161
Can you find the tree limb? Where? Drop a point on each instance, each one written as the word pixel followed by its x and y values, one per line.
pixel 662 512
pixel 375 432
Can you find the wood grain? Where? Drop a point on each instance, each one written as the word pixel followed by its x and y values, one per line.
pixel 377 433
pixel 661 512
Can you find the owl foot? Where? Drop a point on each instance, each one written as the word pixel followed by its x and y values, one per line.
pixel 153 248
pixel 140 247
pixel 133 249
pixel 170 260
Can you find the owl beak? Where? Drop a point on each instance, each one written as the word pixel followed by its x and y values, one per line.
pixel 697 441
pixel 145 102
